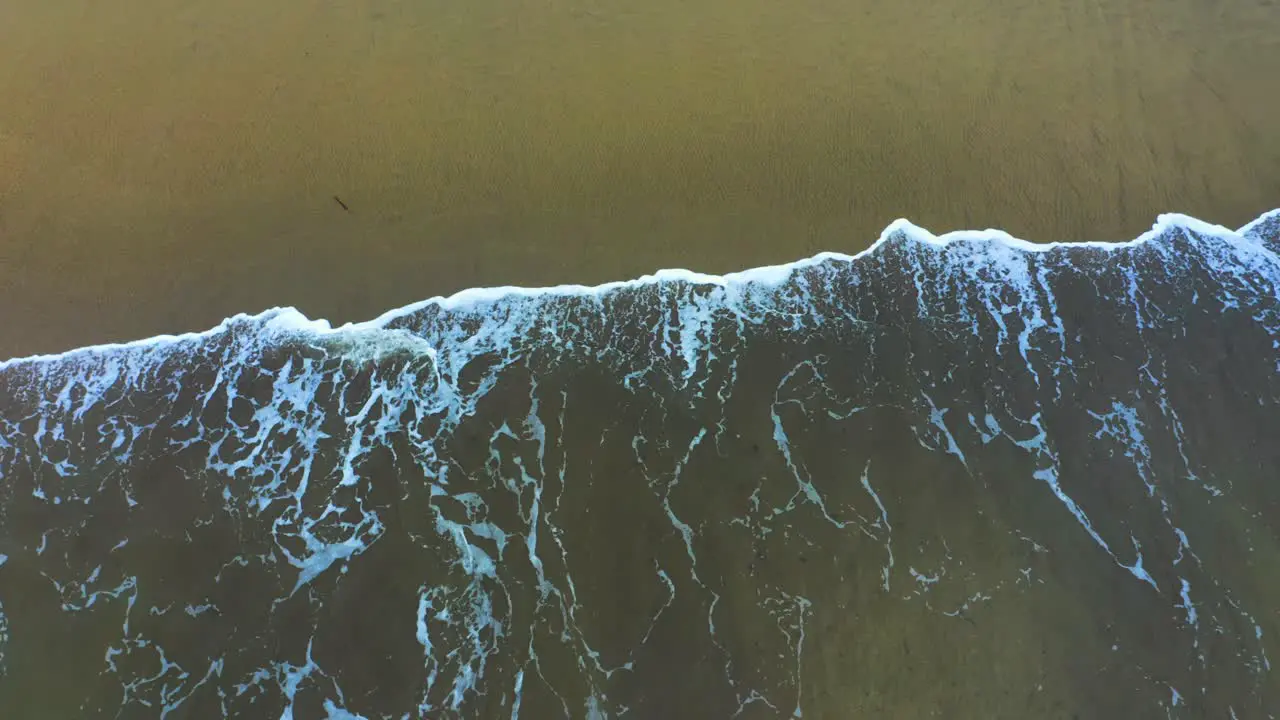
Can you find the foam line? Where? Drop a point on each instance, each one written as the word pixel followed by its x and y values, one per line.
pixel 289 320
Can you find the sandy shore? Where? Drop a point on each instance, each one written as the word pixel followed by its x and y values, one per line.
pixel 165 164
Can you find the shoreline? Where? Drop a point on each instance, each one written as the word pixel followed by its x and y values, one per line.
pixel 289 318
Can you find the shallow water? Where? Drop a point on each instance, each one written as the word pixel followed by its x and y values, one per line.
pixel 957 476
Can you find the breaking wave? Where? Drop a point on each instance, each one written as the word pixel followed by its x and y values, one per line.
pixel 945 471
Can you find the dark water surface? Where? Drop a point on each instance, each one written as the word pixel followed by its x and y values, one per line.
pixel 956 477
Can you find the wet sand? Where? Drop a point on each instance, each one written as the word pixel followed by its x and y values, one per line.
pixel 166 164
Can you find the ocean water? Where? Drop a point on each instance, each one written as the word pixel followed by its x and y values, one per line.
pixel 955 476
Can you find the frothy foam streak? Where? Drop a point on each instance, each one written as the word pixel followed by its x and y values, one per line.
pixel 291 321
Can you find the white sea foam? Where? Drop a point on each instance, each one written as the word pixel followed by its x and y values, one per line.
pixel 323 517
pixel 291 321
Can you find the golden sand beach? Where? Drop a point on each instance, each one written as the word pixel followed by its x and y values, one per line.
pixel 166 164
